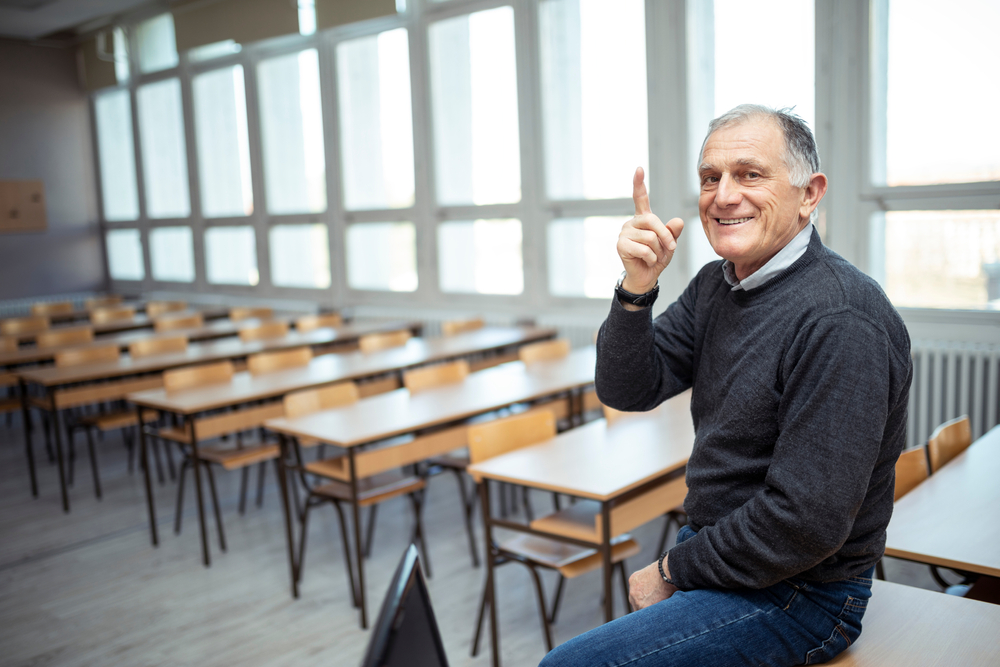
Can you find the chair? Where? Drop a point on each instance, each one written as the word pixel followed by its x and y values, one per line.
pixel 948 441
pixel 544 351
pixel 52 308
pixel 569 561
pixel 64 337
pixel 174 323
pixel 275 329
pixel 109 315
pixel 23 326
pixel 87 355
pixel 243 313
pixel 385 482
pixel 911 470
pixel 149 347
pixel 269 362
pixel 453 327
pixel 313 322
pixel 102 302
pixel 383 341
pixel 156 308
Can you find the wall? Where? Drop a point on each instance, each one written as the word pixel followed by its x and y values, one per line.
pixel 45 134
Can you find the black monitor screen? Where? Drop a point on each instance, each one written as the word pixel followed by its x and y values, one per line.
pixel 406 634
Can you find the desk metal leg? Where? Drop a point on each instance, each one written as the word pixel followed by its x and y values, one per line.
pixel 609 606
pixel 289 537
pixel 356 516
pixel 484 497
pixel 198 492
pixel 26 416
pixel 144 464
pixel 57 428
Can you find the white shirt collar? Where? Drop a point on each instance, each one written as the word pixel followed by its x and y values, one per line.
pixel 781 261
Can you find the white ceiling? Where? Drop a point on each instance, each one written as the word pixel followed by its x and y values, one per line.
pixel 32 19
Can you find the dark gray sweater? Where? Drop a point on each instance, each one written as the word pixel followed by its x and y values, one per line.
pixel 799 403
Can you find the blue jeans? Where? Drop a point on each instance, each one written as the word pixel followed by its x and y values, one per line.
pixel 790 623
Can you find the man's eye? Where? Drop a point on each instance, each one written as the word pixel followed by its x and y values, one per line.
pixel 707 180
pixel 752 175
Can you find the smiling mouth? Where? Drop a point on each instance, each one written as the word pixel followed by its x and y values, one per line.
pixel 733 221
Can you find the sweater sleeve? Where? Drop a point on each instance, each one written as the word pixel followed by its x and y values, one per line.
pixel 642 362
pixel 832 416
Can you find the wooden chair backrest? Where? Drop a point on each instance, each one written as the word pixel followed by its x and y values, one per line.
pixel 17 326
pixel 166 323
pixel 429 377
pixel 102 302
pixel 219 372
pixel 313 322
pixel 105 315
pixel 64 337
pixel 276 329
pixel 300 403
pixel 544 351
pixel 8 344
pixel 156 308
pixel 452 327
pixel 911 469
pixel 149 347
pixel 268 362
pixel 948 441
pixel 243 313
pixel 52 308
pixel 383 341
pixel 505 435
pixel 87 355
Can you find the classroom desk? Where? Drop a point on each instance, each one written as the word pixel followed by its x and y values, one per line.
pixel 395 413
pixel 911 627
pixel 952 518
pixel 48 382
pixel 326 369
pixel 610 463
pixel 209 312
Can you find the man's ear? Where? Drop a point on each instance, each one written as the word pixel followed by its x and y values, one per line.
pixel 812 194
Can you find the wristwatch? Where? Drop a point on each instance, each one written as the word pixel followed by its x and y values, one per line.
pixel 641 300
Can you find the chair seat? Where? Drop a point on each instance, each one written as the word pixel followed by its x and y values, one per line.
pixel 577 521
pixel 232 458
pixel 569 560
pixel 334 467
pixel 111 421
pixel 174 434
pixel 450 461
pixel 9 405
pixel 373 489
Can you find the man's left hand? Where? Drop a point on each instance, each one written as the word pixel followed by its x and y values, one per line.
pixel 646 587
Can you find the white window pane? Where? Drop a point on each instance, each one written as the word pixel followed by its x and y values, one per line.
pixel 382 256
pixel 171 252
pixel 376 126
pixel 300 256
pixel 119 193
pixel 943 259
pixel 474 101
pixel 482 256
pixel 120 42
pixel 125 255
pixel 593 140
pixel 942 75
pixel 157 46
pixel 307 17
pixel 211 51
pixel 292 133
pixel 164 156
pixel 220 119
pixel 583 259
pixel 231 256
pixel 782 31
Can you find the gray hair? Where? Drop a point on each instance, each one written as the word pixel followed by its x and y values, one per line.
pixel 801 156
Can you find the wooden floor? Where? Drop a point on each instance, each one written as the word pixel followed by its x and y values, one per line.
pixel 87 588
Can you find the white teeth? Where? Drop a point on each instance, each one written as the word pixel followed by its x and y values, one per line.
pixel 734 221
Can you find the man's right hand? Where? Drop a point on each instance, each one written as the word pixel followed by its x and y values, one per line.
pixel 645 244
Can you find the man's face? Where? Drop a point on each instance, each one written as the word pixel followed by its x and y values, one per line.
pixel 748 208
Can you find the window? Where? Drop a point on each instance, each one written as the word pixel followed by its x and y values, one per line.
pixel 300 256
pixel 474 104
pixel 936 55
pixel 164 156
pixel 482 256
pixel 593 97
pixel 393 267
pixel 125 254
pixel 119 194
pixel 212 51
pixel 122 72
pixel 942 259
pixel 157 46
pixel 292 133
pixel 583 256
pixel 376 127
pixel 220 119
pixel 171 253
pixel 231 256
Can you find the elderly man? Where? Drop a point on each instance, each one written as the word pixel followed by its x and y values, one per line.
pixel 800 370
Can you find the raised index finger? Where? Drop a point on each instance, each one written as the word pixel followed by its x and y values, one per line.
pixel 639 195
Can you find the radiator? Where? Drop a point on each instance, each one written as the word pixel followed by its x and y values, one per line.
pixel 952 379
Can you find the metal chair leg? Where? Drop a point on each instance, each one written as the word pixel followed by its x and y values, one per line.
pixel 621 570
pixel 556 599
pixel 302 543
pixel 347 554
pixel 179 514
pixel 370 531
pixel 261 470
pixel 93 462
pixel 71 443
pixel 468 508
pixel 546 632
pixel 215 503
pixel 418 532
pixel 47 429
pixel 244 478
pixel 479 623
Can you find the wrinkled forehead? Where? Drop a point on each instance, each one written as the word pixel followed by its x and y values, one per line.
pixel 754 141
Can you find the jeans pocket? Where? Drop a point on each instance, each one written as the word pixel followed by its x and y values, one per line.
pixel 844 633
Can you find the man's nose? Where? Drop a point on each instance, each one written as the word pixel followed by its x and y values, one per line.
pixel 728 193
